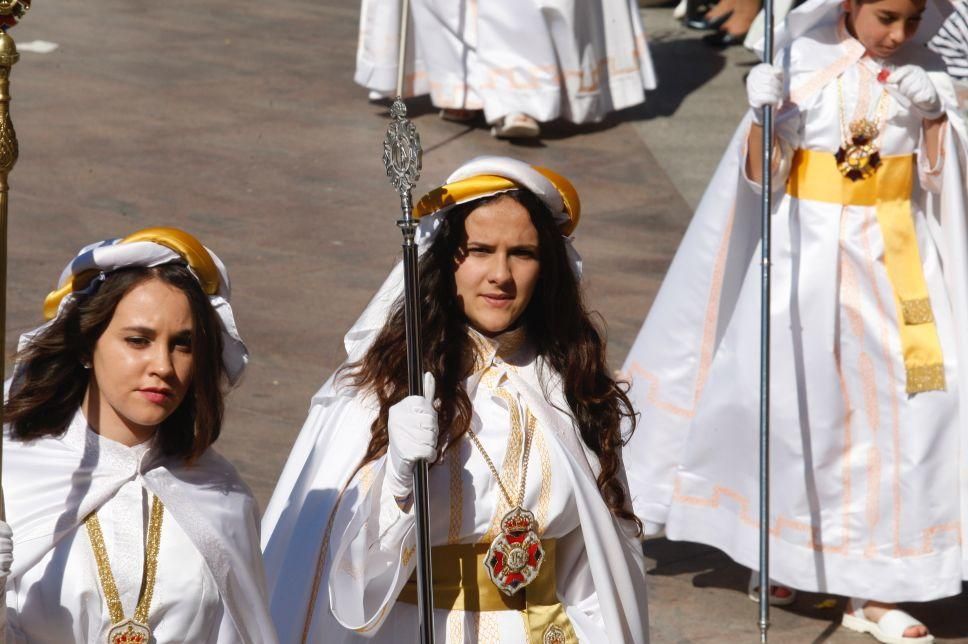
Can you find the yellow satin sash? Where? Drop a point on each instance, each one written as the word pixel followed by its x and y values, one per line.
pixel 814 176
pixel 461 583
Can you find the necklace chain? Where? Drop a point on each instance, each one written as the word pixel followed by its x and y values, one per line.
pixel 528 435
pixel 880 111
pixel 111 595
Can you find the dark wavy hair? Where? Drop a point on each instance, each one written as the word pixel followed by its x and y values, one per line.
pixel 51 380
pixel 558 326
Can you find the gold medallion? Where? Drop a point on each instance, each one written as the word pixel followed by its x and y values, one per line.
pixel 859 158
pixel 515 556
pixel 129 632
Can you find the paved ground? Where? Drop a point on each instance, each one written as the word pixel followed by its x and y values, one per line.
pixel 240 123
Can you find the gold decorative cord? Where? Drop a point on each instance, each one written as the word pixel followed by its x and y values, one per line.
pixel 528 435
pixel 111 595
pixel 879 114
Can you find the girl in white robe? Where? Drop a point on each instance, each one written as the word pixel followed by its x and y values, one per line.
pixel 339 537
pixel 868 399
pixel 148 535
pixel 544 59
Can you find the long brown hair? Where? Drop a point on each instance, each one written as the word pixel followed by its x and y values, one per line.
pixel 51 381
pixel 558 325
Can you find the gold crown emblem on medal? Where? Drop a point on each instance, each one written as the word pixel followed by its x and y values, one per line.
pixel 129 632
pixel 514 523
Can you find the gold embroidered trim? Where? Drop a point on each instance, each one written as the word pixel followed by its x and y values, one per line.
pixel 544 493
pixel 925 378
pixel 456 494
pixel 108 585
pixel 407 554
pixel 917 311
pixel 511 466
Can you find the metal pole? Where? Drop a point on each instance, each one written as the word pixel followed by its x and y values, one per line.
pixel 402 157
pixel 767 209
pixel 9 151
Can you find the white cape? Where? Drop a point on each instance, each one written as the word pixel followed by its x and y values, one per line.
pixel 545 58
pixel 52 484
pixel 300 517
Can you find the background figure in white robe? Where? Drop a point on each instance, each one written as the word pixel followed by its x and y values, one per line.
pixel 120 509
pixel 868 408
pixel 339 537
pixel 537 59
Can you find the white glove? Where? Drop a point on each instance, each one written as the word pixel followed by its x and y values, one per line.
pixel 412 428
pixel 6 555
pixel 913 83
pixel 764 86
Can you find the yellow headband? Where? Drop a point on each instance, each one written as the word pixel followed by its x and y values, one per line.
pixel 484 185
pixel 189 248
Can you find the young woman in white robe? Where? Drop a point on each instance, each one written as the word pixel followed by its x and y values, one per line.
pixel 127 526
pixel 515 362
pixel 869 276
pixel 538 59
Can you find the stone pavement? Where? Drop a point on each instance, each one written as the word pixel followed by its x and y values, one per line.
pixel 240 123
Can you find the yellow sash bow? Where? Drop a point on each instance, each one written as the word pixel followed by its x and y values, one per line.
pixel 814 176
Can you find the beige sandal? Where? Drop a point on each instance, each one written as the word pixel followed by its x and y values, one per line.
pixel 889 629
pixel 516 126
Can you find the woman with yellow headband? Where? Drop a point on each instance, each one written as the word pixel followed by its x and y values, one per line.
pixel 127 527
pixel 532 535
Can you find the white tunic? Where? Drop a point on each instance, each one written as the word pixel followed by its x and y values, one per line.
pixel 545 58
pixel 864 478
pixel 186 606
pixel 467 508
pixel 209 584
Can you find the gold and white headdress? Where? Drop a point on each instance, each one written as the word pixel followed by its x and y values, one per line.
pixel 152 247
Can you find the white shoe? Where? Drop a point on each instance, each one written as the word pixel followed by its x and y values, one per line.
pixel 888 629
pixel 753 591
pixel 516 126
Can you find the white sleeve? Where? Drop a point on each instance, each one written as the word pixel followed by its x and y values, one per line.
pixel 576 588
pixel 787 130
pixel 930 176
pixel 374 555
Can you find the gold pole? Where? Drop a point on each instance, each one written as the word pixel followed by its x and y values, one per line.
pixel 8 157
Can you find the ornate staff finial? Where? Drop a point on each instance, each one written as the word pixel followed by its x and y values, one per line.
pixel 402 154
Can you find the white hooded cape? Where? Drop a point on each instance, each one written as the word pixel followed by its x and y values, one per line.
pixel 52 484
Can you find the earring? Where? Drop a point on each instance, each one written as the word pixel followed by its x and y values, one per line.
pixel 85 364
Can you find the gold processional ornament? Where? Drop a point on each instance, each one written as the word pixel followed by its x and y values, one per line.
pixel 11 11
pixel 859 158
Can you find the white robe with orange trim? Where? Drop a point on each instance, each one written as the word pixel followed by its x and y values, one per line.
pixel 867 483
pixel 545 58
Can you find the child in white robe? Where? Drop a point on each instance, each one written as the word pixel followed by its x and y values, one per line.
pixel 868 289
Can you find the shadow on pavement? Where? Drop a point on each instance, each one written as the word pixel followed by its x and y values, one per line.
pixel 711 568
